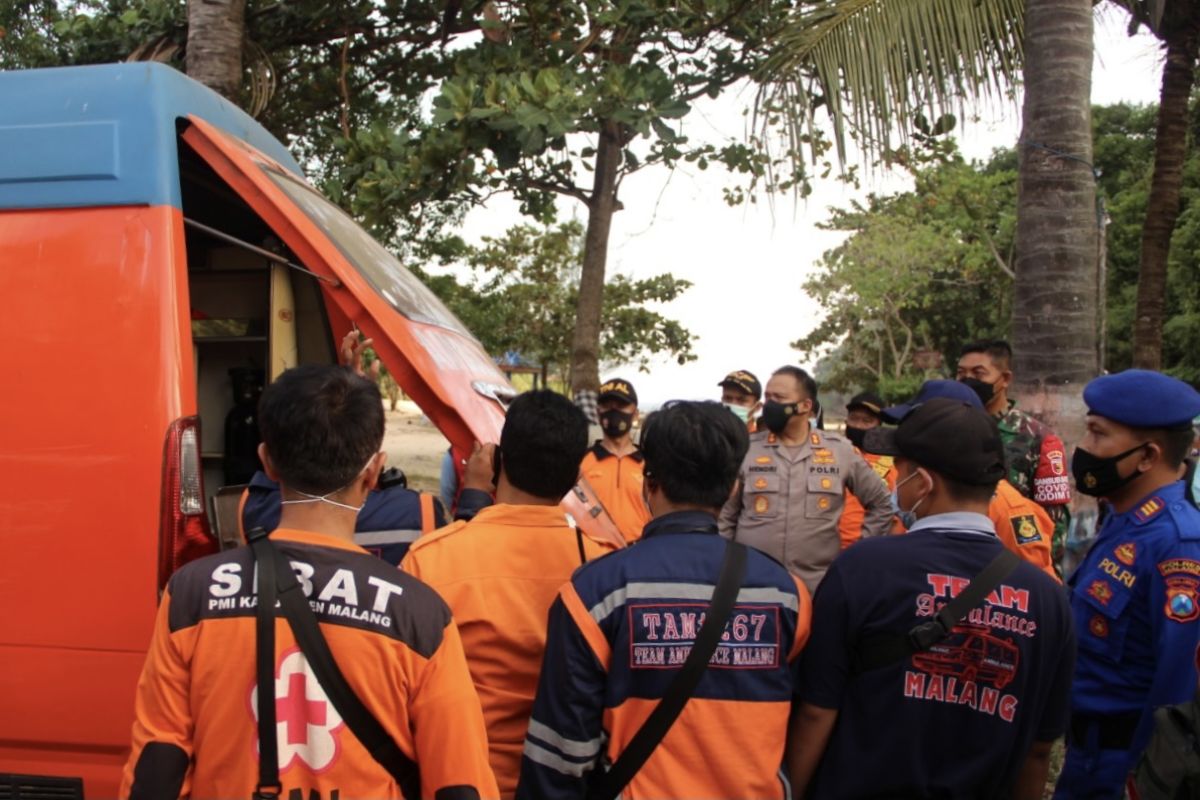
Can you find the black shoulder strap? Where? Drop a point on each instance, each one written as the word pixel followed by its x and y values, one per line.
pixel 885 649
pixel 641 746
pixel 269 786
pixel 316 652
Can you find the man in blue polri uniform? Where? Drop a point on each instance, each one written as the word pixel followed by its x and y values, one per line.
pixel 1136 596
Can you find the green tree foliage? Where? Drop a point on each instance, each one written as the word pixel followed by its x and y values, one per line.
pixel 1124 155
pixel 564 99
pixel 934 262
pixel 920 273
pixel 522 293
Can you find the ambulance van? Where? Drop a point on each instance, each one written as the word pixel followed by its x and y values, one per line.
pixel 155 244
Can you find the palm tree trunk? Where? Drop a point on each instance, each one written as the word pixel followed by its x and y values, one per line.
pixel 214 44
pixel 1055 309
pixel 585 342
pixel 1162 207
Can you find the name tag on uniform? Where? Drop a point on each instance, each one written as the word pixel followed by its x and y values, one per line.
pixel 663 636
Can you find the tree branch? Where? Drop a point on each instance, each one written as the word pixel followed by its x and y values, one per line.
pixel 568 191
pixel 996 255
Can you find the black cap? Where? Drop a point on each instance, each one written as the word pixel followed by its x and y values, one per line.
pixel 620 389
pixel 746 381
pixel 867 401
pixel 947 436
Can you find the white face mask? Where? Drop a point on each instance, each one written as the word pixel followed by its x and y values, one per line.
pixel 324 498
pixel 741 412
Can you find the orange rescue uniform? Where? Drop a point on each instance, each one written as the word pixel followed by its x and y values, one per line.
pixel 617 481
pixel 500 573
pixel 195 732
pixel 1023 526
pixel 850 524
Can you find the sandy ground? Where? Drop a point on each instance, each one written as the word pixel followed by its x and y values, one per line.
pixel 414 445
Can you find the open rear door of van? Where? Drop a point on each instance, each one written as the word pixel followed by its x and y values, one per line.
pixel 433 358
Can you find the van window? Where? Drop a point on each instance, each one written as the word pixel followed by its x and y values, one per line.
pixel 373 261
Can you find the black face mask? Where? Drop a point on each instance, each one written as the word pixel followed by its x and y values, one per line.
pixel 616 424
pixel 856 436
pixel 1098 476
pixel 777 415
pixel 985 390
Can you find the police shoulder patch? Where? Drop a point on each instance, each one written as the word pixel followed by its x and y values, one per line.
pixel 1025 529
pixel 1149 509
pixel 1183 603
pixel 1179 566
pixel 1101 591
pixel 1126 553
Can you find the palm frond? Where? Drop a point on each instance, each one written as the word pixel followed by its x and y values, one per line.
pixel 874 65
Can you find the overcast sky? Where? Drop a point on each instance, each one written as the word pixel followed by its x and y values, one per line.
pixel 747 263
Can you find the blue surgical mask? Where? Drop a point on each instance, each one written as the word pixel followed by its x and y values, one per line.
pixel 907 518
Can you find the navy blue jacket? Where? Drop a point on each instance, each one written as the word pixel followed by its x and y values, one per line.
pixel 390 521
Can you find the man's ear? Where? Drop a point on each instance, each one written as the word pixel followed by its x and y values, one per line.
pixel 268 467
pixel 371 474
pixel 1006 377
pixel 1153 455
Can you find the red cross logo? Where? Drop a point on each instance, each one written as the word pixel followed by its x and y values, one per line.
pixel 307 723
pixel 297 712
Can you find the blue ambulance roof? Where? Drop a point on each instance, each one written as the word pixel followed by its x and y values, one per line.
pixel 105 135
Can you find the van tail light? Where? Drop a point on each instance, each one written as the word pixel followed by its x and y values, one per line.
pixel 183 532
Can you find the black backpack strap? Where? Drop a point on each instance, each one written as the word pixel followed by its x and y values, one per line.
pixel 268 786
pixel 361 722
pixel 641 746
pixel 884 649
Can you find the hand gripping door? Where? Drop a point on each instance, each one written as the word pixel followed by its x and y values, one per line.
pixel 433 358
pixel 275 579
pixel 683 685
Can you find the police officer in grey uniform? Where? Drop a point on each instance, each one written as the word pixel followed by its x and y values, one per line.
pixel 792 484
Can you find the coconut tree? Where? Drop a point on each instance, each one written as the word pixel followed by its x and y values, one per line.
pixel 216 29
pixel 881 67
pixel 1177 24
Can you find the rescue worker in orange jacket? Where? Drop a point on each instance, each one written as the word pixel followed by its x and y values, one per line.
pixel 501 571
pixel 195 732
pixel 613 466
pixel 621 628
pixel 863 413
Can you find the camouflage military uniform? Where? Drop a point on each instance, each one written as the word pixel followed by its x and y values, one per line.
pixel 1037 466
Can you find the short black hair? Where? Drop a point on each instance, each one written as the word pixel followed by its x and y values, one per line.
pixel 321 425
pixel 804 379
pixel 962 492
pixel 544 439
pixel 1176 443
pixel 998 350
pixel 967 492
pixel 693 450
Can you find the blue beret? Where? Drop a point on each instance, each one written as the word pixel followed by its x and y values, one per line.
pixel 1142 398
